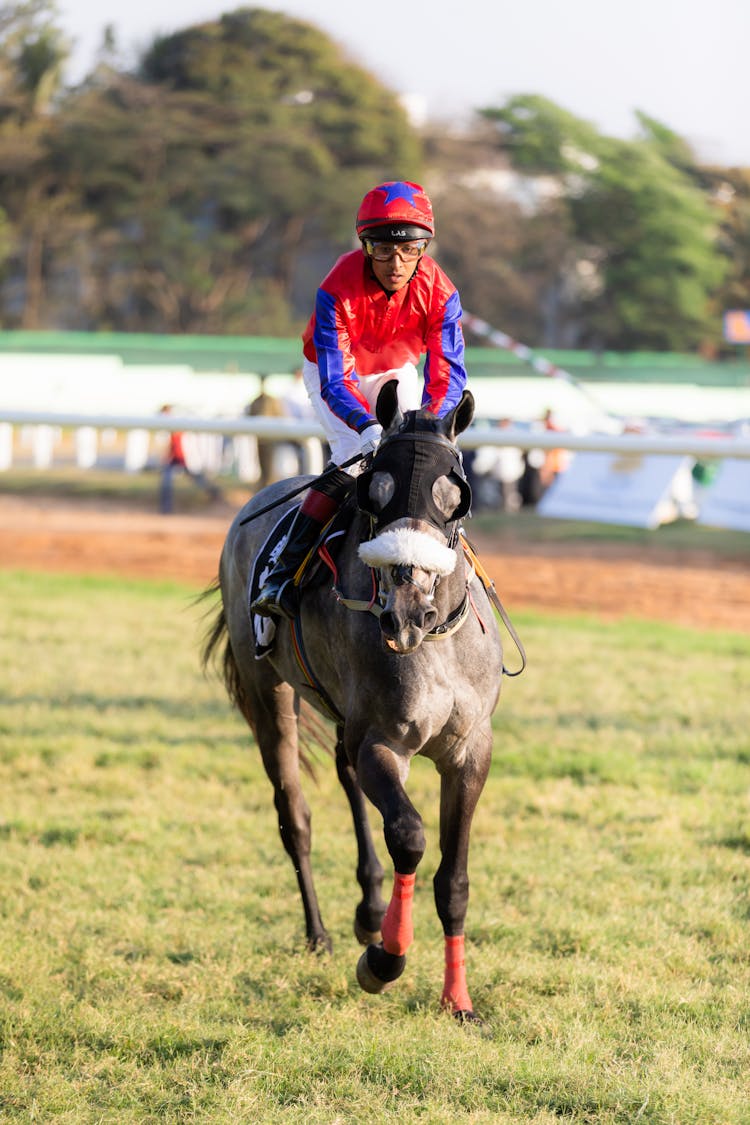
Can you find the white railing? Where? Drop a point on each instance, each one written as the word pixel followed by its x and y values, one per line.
pixel 281 429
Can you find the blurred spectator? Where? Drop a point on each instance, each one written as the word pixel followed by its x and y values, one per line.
pixel 310 452
pixel 175 462
pixel 296 399
pixel 530 485
pixel 555 460
pixel 266 405
pixel 498 470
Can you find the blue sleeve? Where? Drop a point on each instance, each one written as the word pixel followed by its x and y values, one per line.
pixel 445 365
pixel 338 389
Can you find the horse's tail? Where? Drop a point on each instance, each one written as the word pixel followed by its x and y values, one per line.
pixel 313 730
pixel 218 632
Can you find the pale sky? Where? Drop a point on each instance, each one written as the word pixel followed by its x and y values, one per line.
pixel 684 62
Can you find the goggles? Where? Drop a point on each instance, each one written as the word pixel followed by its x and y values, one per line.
pixel 407 251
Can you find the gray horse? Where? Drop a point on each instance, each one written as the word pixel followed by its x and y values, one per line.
pixel 401 647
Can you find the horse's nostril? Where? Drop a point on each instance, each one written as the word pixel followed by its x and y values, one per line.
pixel 430 620
pixel 388 624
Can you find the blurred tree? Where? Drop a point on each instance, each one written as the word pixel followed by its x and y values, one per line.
pixel 499 247
pixel 670 145
pixel 296 133
pixel 208 183
pixel 41 213
pixel 541 137
pixel 211 189
pixel 729 191
pixel 32 53
pixel 647 259
pixel 660 265
pixel 137 158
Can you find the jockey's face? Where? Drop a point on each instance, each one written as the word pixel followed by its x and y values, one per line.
pixel 394 273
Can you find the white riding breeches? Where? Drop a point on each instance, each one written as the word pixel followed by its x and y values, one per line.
pixel 345 442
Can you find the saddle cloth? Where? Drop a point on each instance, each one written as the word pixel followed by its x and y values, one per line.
pixel 264 628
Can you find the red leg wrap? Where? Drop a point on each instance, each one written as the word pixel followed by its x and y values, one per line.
pixel 455 993
pixel 397 928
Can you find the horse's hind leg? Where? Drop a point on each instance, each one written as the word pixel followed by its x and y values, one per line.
pixel 370 911
pixel 277 735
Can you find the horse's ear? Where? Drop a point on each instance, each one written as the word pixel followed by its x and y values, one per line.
pixel 386 408
pixel 460 417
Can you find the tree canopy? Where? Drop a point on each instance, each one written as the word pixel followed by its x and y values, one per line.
pixel 647 257
pixel 209 188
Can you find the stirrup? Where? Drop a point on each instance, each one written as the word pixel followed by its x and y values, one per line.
pixel 277 599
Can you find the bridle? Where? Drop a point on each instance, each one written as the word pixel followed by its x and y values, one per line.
pixel 403 575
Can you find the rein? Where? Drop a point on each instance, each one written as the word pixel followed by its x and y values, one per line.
pixel 489 586
pixel 455 620
pixel 296 491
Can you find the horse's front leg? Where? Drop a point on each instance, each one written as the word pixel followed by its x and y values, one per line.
pixel 381 773
pixel 460 787
pixel 369 913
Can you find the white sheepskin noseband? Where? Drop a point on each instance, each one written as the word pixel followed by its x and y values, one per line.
pixel 405 547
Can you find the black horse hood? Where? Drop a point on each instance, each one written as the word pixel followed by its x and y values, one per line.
pixel 415 473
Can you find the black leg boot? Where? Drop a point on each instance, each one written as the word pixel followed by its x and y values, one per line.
pixel 279 595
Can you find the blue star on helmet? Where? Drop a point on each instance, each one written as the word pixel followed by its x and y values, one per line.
pixel 399 190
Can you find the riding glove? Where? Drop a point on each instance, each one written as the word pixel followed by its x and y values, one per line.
pixel 370 438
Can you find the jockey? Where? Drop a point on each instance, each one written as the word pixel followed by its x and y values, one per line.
pixel 377 311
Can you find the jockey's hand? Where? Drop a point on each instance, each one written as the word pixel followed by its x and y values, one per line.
pixel 370 438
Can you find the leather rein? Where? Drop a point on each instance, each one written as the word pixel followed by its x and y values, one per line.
pixel 457 617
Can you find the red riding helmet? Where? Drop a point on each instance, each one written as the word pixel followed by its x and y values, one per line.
pixel 397 211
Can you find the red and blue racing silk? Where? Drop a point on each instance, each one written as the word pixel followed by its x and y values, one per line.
pixel 359 329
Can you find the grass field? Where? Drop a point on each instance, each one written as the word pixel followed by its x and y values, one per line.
pixel 151 967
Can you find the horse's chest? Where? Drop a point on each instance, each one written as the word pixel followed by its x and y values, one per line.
pixel 427 710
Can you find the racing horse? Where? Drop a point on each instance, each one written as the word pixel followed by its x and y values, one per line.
pixel 401 647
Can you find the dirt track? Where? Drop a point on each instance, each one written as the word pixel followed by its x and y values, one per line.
pixel 83 538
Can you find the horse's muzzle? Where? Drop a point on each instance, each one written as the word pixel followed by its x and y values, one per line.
pixel 406 619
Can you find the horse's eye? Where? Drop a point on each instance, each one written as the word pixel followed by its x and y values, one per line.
pixel 382 487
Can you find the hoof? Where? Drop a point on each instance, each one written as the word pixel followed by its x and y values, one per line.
pixel 466 1016
pixel 365 936
pixel 319 943
pixel 377 970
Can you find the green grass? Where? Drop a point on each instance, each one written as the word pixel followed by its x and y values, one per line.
pixel 151 967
